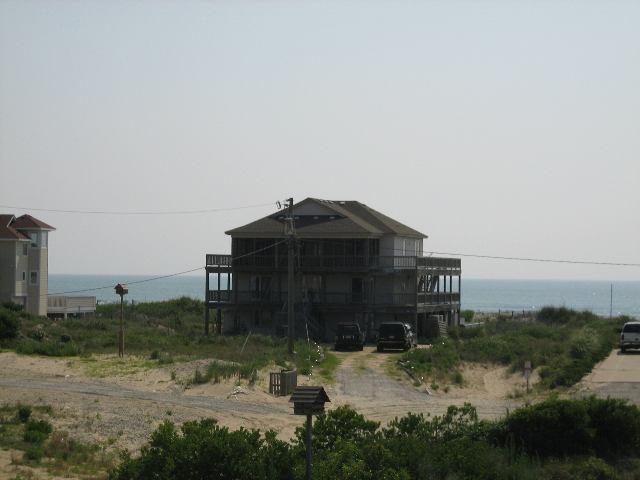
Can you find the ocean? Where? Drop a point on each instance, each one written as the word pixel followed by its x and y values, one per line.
pixel 477 294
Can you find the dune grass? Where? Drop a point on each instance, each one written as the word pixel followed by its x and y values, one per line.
pixel 563 343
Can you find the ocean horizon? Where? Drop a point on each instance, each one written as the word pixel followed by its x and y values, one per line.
pixel 483 295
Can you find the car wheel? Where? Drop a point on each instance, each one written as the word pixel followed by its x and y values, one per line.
pixel 622 349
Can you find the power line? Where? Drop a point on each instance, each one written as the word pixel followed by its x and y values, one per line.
pixel 542 260
pixel 151 279
pixel 526 259
pixel 148 212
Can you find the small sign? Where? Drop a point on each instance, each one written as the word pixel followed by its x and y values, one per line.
pixel 527 372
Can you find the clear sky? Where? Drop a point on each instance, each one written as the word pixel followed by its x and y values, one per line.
pixel 503 128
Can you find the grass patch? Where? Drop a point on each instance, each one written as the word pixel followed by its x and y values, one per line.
pixel 158 334
pixel 53 450
pixel 114 366
pixel 328 367
pixel 563 343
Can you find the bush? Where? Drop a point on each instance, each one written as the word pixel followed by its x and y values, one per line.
pixel 29 346
pixel 34 453
pixel 206 450
pixel 9 324
pixel 555 428
pixel 37 431
pixel 24 412
pixel 468 315
pixel 12 306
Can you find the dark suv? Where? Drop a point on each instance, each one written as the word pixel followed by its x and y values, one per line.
pixel 395 335
pixel 349 335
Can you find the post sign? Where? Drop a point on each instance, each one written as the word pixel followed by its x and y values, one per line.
pixel 527 372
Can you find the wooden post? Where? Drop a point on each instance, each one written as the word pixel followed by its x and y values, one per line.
pixel 290 280
pixel 121 333
pixel 206 302
pixel 309 446
pixel 219 314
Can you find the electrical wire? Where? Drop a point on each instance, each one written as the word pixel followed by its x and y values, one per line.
pixel 149 212
pixel 524 259
pixel 151 279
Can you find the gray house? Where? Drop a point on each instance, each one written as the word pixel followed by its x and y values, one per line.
pixel 353 263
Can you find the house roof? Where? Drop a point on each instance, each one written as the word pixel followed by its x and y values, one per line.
pixel 315 217
pixel 10 226
pixel 7 232
pixel 309 395
pixel 27 222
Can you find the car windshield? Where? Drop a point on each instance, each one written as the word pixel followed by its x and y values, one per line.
pixel 632 328
pixel 347 329
pixel 391 329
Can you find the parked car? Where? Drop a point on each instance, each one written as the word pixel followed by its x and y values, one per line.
pixel 396 335
pixel 630 336
pixel 349 335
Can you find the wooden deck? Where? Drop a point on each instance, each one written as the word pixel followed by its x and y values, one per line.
pixel 335 263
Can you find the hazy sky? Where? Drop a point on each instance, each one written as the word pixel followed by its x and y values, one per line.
pixel 503 128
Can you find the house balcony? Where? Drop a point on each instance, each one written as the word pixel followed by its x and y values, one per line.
pixel 319 299
pixel 335 263
pixel 63 305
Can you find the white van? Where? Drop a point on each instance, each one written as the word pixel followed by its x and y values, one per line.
pixel 630 336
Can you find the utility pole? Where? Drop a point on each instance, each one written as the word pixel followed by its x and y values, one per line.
pixel 122 290
pixel 290 233
pixel 611 303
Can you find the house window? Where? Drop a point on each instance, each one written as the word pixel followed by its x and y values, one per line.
pixel 25 249
pixel 33 278
pixel 34 238
pixel 24 276
pixel 44 239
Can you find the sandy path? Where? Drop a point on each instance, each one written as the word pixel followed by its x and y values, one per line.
pixel 363 381
pixel 616 376
pixel 125 409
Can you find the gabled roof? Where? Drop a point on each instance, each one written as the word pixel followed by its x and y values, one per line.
pixel 27 222
pixel 309 395
pixel 330 218
pixel 11 227
pixel 7 232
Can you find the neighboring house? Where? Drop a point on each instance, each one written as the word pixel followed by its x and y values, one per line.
pixel 24 262
pixel 352 264
pixel 24 269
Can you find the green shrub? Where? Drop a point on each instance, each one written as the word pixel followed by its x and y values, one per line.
pixel 468 315
pixel 34 453
pixel 555 428
pixel 37 431
pixel 24 412
pixel 206 450
pixel 9 324
pixel 12 306
pixel 39 426
pixel 32 436
pixel 29 346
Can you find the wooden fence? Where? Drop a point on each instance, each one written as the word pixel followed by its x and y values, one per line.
pixel 283 383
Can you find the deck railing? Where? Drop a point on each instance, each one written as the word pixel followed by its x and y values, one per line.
pixel 335 298
pixel 64 304
pixel 338 262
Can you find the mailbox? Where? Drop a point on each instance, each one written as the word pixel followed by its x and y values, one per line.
pixel 122 289
pixel 309 400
